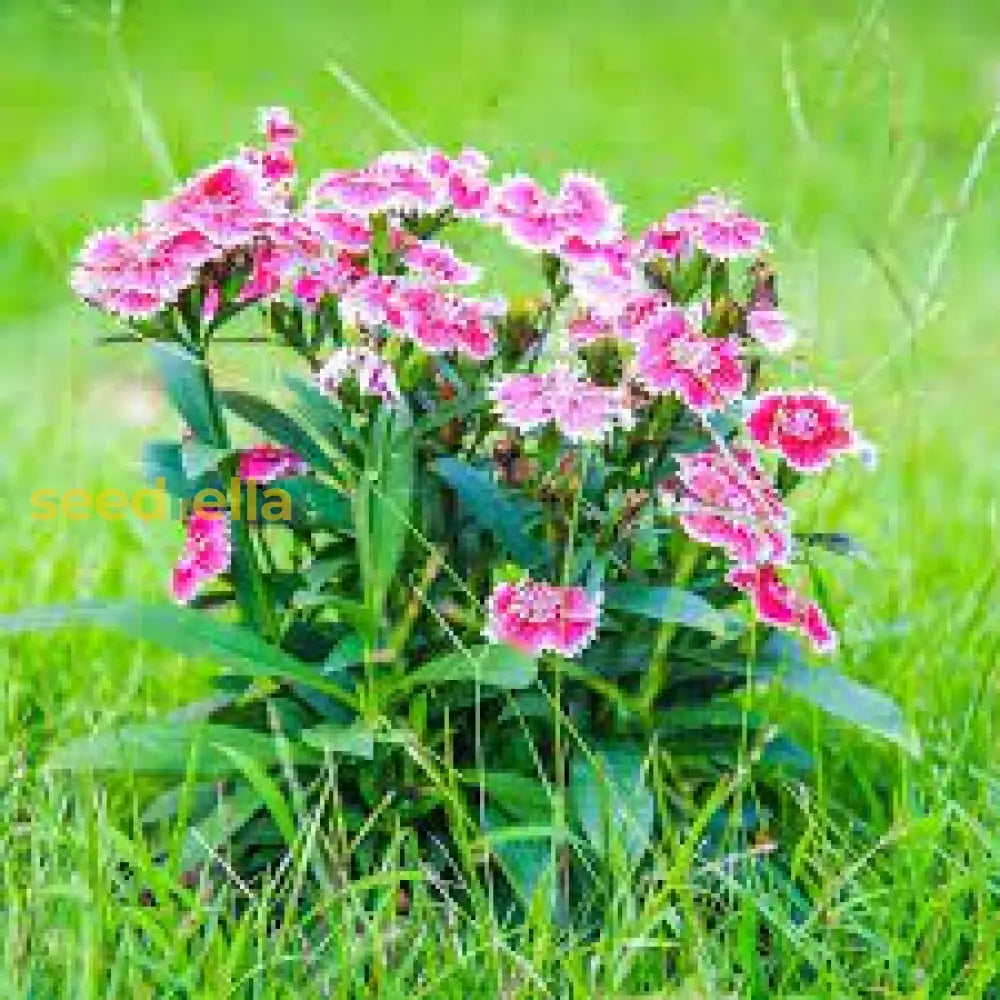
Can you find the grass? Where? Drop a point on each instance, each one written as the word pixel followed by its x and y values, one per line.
pixel 851 127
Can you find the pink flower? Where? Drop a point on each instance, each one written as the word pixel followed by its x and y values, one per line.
pixel 326 276
pixel 266 462
pixel 586 210
pixel 771 329
pixel 705 372
pixel 586 327
pixel 342 230
pixel 283 250
pixel 392 182
pixel 729 502
pixel 437 262
pixel 462 181
pixel 228 203
pixel 717 226
pixel 277 127
pixel 667 238
pixel 375 376
pixel 210 304
pixel 535 617
pixel 807 428
pixel 438 321
pixel 206 553
pixel 776 603
pixel 528 215
pixel 139 273
pixel 581 410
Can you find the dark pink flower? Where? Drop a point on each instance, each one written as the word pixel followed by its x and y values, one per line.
pixel 665 239
pixel 776 603
pixel 808 428
pixel 206 553
pixel 727 500
pixel 265 462
pixel 718 227
pixel 705 372
pixel 536 617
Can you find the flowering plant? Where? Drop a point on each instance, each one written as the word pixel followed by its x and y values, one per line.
pixel 525 543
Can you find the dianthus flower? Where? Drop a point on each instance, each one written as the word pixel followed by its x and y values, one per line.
pixel 808 428
pixel 581 410
pixel 206 553
pixel 726 500
pixel 535 617
pixel 675 357
pixel 266 462
pixel 139 273
pixel 228 203
pixel 771 329
pixel 437 262
pixel 374 375
pixel 776 603
pixel 716 225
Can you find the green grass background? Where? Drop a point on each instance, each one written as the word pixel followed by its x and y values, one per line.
pixel 849 126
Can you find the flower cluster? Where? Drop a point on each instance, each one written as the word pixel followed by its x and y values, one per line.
pixel 620 340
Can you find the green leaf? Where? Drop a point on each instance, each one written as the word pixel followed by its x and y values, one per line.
pixel 276 426
pixel 164 460
pixel 186 383
pixel 498 665
pixel 314 503
pixel 168 748
pixel 250 766
pixel 853 702
pixel 521 797
pixel 354 741
pixel 183 630
pixel 671 605
pixel 198 458
pixel 494 509
pixel 323 415
pixel 232 813
pixel 611 800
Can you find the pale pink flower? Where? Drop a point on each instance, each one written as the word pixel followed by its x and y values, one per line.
pixel 527 214
pixel 206 553
pixel 776 603
pixel 717 226
pixel 675 357
pixel 540 617
pixel 265 462
pixel 374 375
pixel 277 127
pixel 434 261
pixel 808 428
pixel 771 329
pixel 580 409
pixel 586 210
pixel 728 501
pixel 392 182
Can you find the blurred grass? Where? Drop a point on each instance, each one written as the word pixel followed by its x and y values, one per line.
pixel 849 127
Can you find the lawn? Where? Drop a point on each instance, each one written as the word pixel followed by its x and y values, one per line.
pixel 861 131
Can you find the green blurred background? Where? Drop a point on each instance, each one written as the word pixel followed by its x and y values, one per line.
pixel 849 126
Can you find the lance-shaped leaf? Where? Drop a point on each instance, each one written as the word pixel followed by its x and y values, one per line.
pixel 669 604
pixel 277 426
pixel 186 383
pixel 183 630
pixel 497 665
pixel 494 509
